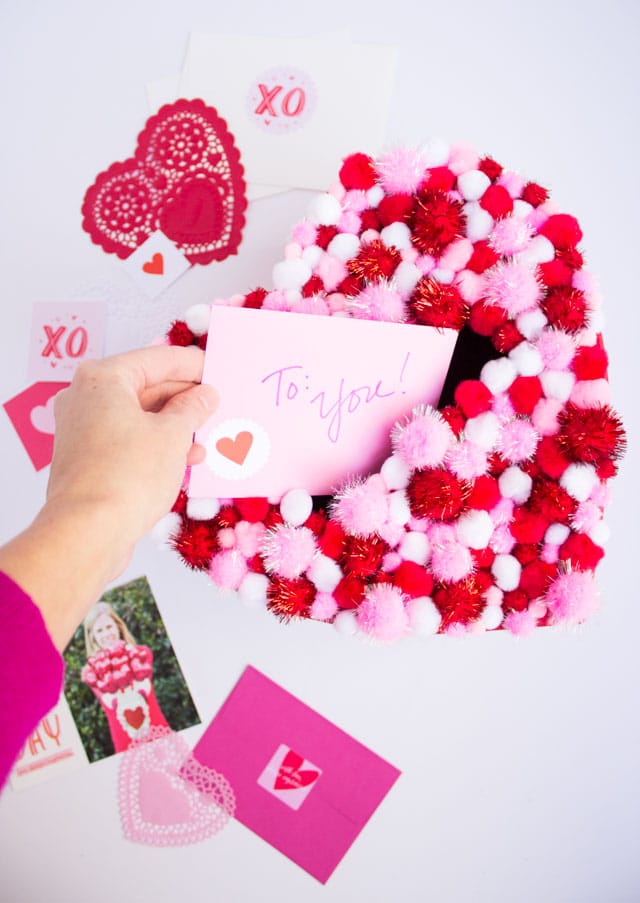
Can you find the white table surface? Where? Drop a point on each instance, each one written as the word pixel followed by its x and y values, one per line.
pixel 520 758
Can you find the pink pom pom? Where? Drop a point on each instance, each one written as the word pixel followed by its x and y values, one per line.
pixel 349 222
pixel 361 509
pixel 586 516
pixel 425 263
pixel 378 301
pixel 457 629
pixel 248 537
pixel 512 181
pixel 391 561
pixel 355 200
pixel 513 286
pixel 601 494
pixel 510 236
pixel 228 568
pixel 424 440
pixel 440 534
pixel 466 460
pixel 556 349
pixel 288 551
pixel 502 513
pixel 502 407
pixel 450 561
pixel 401 170
pixel 545 416
pixel 501 542
pixel 462 158
pixel 314 304
pixel 549 553
pixel 517 441
pixel 470 285
pixel 382 615
pixel 275 301
pixel 323 607
pixel 304 233
pixel 572 597
pixel 522 623
pixel 292 251
pixel 456 255
pixel 591 393
pixel 332 271
pixel 227 538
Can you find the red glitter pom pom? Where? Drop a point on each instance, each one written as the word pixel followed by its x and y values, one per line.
pixel 255 298
pixel 180 334
pixel 591 435
pixel 197 542
pixel 374 261
pixel 551 501
pixel 290 598
pixel 363 556
pixel 507 337
pixel 459 603
pixel 534 194
pixel 437 304
pixel 437 494
pixel 438 221
pixel 358 171
pixel 565 308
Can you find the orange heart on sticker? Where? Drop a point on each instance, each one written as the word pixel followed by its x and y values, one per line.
pixel 237 449
pixel 155 266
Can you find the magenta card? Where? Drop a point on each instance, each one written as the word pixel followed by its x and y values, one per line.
pixel 31 413
pixel 62 335
pixel 308 401
pixel 301 783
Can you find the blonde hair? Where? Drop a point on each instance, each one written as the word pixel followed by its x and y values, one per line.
pixel 103 608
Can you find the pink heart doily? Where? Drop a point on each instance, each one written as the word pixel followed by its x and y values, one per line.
pixel 167 797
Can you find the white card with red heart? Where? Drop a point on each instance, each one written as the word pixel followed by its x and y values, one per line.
pixel 63 335
pixel 306 402
pixel 156 264
pixel 296 106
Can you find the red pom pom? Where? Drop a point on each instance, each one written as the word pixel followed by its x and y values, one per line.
pixel 202 341
pixel 485 493
pixel 290 598
pixel 454 417
pixel 459 603
pixel 197 542
pixel 581 552
pixel 255 298
pixel 316 522
pixel 483 558
pixel 497 201
pixel 497 464
pixel 525 392
pixel 473 397
pixel 180 334
pixel 332 540
pixel 369 219
pixel 324 236
pixel 515 600
pixel 527 526
pixel 363 557
pixel 591 362
pixel 526 552
pixel 591 435
pixel 358 171
pixel 482 258
pixel 227 516
pixel 486 318
pixel 437 304
pixel 438 221
pixel 395 208
pixel 550 458
pixel 349 593
pixel 253 510
pixel 562 230
pixel 555 272
pixel 507 337
pixel 571 257
pixel 351 285
pixel 374 261
pixel 256 565
pixel 551 501
pixel 440 179
pixel 490 168
pixel 180 504
pixel 313 286
pixel 534 194
pixel 413 579
pixel 536 578
pixel 565 308
pixel 606 470
pixel 273 518
pixel 437 494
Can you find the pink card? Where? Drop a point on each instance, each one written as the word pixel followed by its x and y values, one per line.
pixel 301 783
pixel 308 401
pixel 62 335
pixel 31 413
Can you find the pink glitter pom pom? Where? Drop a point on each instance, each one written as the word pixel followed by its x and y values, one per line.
pixel 275 301
pixel 401 170
pixel 378 301
pixel 517 441
pixel 228 568
pixel 450 561
pixel 424 440
pixel 361 509
pixel 501 541
pixel 467 460
pixel 556 349
pixel 304 233
pixel 324 607
pixel 523 623
pixel 314 304
pixel 349 222
pixel 288 551
pixel 332 271
pixel 381 615
pixel 572 597
pixel 510 236
pixel 587 516
pixel 513 286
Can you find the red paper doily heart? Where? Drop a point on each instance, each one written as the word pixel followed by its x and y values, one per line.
pixel 488 513
pixel 185 179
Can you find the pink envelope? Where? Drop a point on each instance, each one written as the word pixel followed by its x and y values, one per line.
pixel 31 413
pixel 301 783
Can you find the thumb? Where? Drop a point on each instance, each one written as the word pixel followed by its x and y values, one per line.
pixel 191 408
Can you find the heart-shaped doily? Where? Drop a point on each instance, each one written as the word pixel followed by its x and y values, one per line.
pixel 487 512
pixel 185 179
pixel 167 797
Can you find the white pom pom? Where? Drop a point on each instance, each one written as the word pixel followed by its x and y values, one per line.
pixel 515 484
pixel 491 617
pixel 579 480
pixel 521 209
pixel 197 318
pixel 415 547
pixel 556 534
pixel 397 235
pixel 346 623
pixel 324 573
pixel 526 359
pixel 442 275
pixel 395 473
pixel 424 617
pixel 600 534
pixel 165 529
pixel 557 384
pixel 435 152
pixel 483 430
pixel 539 250
pixel 202 509
pixel 253 590
pixel 344 246
pixel 498 375
pixel 291 274
pixel 473 184
pixel 325 210
pixel 296 506
pixel 474 529
pixel 506 571
pixel 479 222
pixel 312 256
pixel 375 195
pixel 399 511
pixel 531 323
pixel 406 277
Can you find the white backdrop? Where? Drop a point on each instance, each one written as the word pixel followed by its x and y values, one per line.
pixel 519 757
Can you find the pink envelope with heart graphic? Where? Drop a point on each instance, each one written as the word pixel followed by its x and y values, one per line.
pixel 301 783
pixel 31 413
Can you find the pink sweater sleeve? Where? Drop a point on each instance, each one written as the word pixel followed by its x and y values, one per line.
pixel 31 671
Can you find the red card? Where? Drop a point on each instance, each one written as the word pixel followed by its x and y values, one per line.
pixel 31 413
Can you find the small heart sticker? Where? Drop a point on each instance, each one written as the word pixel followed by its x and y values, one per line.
pixel 237 449
pixel 155 266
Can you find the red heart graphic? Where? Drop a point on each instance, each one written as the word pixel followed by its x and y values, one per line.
pixel 134 717
pixel 185 179
pixel 237 449
pixel 290 776
pixel 155 266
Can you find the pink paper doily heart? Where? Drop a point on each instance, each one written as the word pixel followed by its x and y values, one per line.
pixel 168 798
